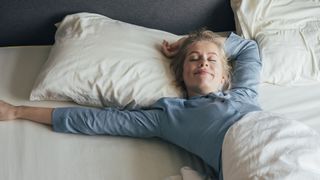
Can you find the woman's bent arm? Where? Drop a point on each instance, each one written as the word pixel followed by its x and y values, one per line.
pixel 36 114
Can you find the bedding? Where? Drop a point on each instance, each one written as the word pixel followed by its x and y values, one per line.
pixel 264 145
pixel 187 173
pixel 287 33
pixel 99 61
pixel 33 150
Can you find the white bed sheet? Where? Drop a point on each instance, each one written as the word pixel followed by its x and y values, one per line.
pixel 33 151
pixel 300 103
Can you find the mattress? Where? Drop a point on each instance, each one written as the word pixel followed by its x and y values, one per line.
pixel 33 151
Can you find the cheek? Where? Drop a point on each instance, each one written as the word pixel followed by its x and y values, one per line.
pixel 186 69
pixel 219 72
pixel 187 73
pixel 219 69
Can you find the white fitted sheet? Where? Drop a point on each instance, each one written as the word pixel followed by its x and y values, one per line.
pixel 300 103
pixel 33 151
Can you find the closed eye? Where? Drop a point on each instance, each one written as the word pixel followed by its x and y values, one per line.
pixel 195 58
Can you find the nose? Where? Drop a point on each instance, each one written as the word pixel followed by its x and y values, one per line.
pixel 203 62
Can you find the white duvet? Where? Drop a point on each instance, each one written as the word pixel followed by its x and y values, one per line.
pixel 264 145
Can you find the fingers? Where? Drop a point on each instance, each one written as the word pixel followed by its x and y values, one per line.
pixel 172 49
pixel 166 45
pixel 174 46
pixel 168 49
pixel 165 48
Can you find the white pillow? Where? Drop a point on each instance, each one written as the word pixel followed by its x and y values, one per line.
pixel 287 33
pixel 263 145
pixel 99 61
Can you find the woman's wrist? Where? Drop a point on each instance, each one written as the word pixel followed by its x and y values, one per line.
pixel 36 114
pixel 18 112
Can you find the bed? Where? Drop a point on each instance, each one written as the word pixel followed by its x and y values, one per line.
pixel 33 151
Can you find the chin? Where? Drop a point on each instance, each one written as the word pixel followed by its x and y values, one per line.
pixel 206 90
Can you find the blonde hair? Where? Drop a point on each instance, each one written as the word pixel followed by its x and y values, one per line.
pixel 178 61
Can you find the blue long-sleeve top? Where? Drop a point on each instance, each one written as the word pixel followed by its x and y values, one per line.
pixel 197 124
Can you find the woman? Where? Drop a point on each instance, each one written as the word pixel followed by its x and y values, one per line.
pixel 197 122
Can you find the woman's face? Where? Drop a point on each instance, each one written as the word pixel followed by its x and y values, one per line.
pixel 202 69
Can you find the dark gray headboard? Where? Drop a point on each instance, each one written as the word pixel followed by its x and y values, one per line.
pixel 31 22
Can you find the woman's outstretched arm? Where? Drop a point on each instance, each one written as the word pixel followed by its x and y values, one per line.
pixel 36 114
pixel 110 121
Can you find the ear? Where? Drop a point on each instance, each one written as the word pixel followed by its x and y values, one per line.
pixel 223 80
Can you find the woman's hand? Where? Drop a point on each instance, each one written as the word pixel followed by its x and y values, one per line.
pixel 170 50
pixel 222 40
pixel 7 111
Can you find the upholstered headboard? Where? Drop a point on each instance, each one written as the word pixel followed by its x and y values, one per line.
pixel 31 22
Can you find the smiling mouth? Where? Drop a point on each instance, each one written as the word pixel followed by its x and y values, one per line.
pixel 203 72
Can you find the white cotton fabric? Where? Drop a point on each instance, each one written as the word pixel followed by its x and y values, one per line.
pixel 264 145
pixel 187 173
pixel 99 61
pixel 288 36
pixel 32 151
pixel 31 147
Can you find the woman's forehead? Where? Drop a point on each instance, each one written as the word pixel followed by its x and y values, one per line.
pixel 204 47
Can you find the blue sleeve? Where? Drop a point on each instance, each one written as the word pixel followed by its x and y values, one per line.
pixel 110 121
pixel 247 65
